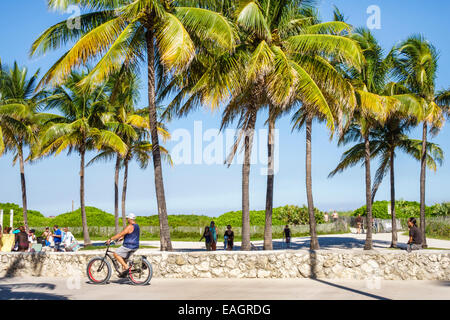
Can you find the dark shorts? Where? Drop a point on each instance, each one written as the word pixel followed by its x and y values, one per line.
pixel 288 239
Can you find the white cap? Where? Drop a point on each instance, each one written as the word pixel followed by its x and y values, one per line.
pixel 131 216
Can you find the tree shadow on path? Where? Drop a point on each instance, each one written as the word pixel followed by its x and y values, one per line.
pixel 313 276
pixel 8 292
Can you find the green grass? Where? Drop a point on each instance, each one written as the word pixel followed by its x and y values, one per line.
pixel 432 236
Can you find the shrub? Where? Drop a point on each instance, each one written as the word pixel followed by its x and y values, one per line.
pixel 257 218
pixel 35 218
pixel 403 209
pixel 441 209
pixel 299 215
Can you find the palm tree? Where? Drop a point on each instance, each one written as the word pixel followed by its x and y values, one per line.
pixel 279 53
pixel 81 129
pixel 415 66
pixel 124 94
pixel 161 32
pixel 20 120
pixel 384 140
pixel 373 107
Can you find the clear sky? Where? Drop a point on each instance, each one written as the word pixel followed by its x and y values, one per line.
pixel 53 183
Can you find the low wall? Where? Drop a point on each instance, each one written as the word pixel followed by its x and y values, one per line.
pixel 342 264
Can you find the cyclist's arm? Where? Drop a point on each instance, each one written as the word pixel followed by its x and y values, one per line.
pixel 128 229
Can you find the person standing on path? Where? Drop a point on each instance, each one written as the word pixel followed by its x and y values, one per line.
pixel 214 235
pixel 359 222
pixel 230 238
pixel 415 236
pixel 326 217
pixel 207 236
pixel 287 236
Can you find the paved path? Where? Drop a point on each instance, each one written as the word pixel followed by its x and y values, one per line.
pixel 224 289
pixel 327 242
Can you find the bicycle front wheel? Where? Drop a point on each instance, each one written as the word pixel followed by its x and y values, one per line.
pixel 98 270
pixel 141 275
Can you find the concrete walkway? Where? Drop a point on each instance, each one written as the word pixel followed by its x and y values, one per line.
pixel 327 242
pixel 223 289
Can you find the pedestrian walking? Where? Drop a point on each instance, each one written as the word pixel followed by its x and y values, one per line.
pixel 214 235
pixel 287 236
pixel 229 234
pixel 359 222
pixel 207 236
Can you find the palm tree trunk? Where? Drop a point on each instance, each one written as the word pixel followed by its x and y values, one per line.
pixel 116 194
pixel 248 144
pixel 314 244
pixel 368 244
pixel 87 240
pixel 124 193
pixel 24 188
pixel 422 183
pixel 166 244
pixel 269 193
pixel 394 220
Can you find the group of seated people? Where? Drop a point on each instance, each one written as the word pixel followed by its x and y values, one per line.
pixel 22 241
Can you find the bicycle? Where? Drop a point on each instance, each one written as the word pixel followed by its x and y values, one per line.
pixel 99 269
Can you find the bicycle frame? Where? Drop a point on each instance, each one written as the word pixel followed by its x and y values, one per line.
pixel 113 260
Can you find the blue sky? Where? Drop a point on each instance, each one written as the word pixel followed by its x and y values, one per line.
pixel 53 183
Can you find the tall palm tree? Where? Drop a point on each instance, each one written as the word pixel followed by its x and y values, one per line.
pixel 81 129
pixel 373 107
pixel 415 66
pixel 20 120
pixel 384 140
pixel 279 52
pixel 163 33
pixel 124 94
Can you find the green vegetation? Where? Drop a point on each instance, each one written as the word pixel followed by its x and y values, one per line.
pixel 35 218
pixel 404 209
pixel 438 228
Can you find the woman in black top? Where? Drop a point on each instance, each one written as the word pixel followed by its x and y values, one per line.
pixel 22 239
pixel 415 236
pixel 230 240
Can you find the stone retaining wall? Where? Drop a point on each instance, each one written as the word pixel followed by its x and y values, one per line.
pixel 343 264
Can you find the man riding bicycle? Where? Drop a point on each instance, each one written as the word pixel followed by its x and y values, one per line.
pixel 130 244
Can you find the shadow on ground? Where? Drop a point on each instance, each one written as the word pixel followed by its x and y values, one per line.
pixel 8 291
pixel 326 243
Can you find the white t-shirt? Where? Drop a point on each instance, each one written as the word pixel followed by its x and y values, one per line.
pixel 68 238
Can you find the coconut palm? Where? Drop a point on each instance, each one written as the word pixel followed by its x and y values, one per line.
pixel 373 106
pixel 81 129
pixel 20 120
pixel 124 94
pixel 279 51
pixel 161 32
pixel 384 141
pixel 415 66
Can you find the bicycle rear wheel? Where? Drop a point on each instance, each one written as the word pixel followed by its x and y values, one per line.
pixel 98 270
pixel 142 275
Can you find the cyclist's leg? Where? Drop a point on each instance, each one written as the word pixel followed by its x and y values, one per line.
pixel 121 254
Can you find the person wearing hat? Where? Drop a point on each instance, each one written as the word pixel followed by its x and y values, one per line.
pixel 130 243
